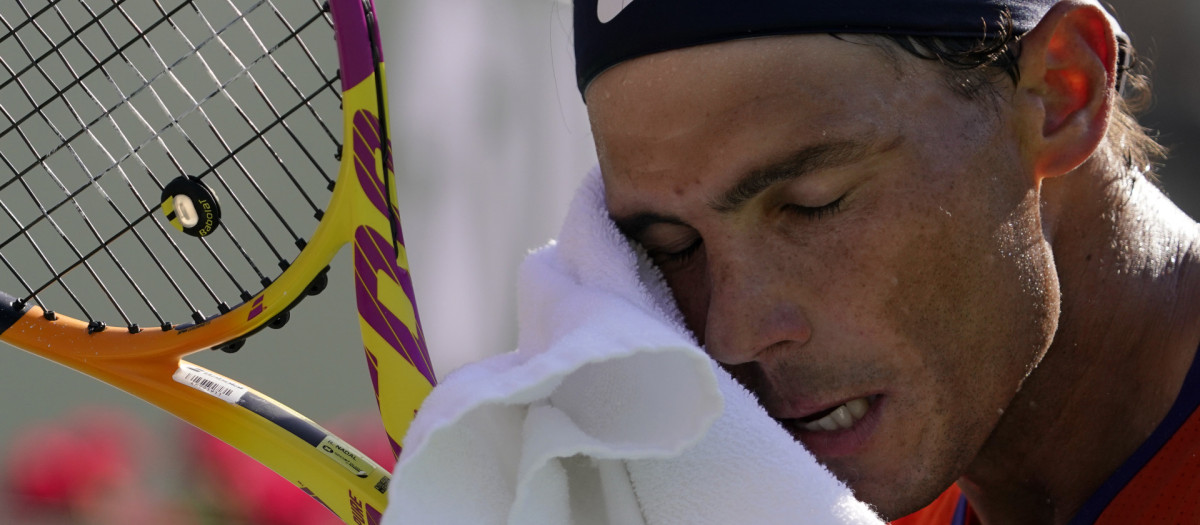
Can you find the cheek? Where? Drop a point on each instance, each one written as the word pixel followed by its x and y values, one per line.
pixel 940 279
pixel 975 302
pixel 967 281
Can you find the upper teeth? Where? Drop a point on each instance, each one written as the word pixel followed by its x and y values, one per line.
pixel 842 417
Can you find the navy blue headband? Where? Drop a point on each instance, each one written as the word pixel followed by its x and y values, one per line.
pixel 618 30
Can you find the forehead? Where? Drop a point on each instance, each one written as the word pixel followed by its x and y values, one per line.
pixel 682 104
pixel 751 67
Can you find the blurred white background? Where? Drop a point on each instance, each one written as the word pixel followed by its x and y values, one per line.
pixel 490 138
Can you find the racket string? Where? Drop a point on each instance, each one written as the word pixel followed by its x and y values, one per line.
pixel 230 153
pixel 62 93
pixel 131 186
pixel 147 211
pixel 66 143
pixel 280 124
pixel 258 134
pixel 294 32
pixel 157 136
pixel 107 114
pixel 24 283
pixel 34 198
pixel 84 169
pixel 58 276
pixel 41 256
pixel 81 259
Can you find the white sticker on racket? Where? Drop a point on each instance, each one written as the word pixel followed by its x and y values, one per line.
pixel 212 383
pixel 347 456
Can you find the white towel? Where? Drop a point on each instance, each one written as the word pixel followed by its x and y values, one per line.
pixel 607 412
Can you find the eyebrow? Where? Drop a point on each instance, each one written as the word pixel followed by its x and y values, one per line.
pixel 796 165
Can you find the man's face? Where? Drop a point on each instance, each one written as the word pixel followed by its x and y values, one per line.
pixel 839 229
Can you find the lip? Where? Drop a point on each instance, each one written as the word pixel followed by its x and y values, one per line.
pixel 804 410
pixel 841 442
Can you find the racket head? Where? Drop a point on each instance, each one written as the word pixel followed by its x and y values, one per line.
pixel 143 357
pixel 240 101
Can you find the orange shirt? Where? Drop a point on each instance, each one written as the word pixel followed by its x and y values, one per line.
pixel 1159 483
pixel 949 509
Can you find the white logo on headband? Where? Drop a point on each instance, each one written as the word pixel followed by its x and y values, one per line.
pixel 609 9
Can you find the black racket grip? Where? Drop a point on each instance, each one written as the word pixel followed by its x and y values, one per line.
pixel 10 311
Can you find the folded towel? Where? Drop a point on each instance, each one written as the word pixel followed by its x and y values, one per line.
pixel 607 412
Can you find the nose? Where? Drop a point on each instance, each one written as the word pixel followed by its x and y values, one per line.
pixel 754 305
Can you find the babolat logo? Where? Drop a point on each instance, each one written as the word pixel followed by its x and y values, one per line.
pixel 364 513
pixel 190 206
pixel 206 208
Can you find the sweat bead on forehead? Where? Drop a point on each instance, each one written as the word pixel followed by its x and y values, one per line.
pixel 608 32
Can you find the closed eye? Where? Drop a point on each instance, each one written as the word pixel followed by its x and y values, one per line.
pixel 817 212
pixel 664 258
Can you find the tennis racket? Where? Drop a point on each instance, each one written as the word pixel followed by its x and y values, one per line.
pixel 177 175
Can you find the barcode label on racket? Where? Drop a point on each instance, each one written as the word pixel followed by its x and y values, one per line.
pixel 214 384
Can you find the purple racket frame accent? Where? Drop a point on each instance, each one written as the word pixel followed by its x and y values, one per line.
pixel 377 255
pixel 350 16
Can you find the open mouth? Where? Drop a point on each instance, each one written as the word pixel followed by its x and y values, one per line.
pixel 839 417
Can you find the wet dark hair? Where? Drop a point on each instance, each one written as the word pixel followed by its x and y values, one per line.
pixel 975 66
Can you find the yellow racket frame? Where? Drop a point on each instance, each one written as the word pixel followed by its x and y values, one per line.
pixel 143 363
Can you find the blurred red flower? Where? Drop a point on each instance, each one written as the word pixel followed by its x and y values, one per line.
pixel 244 491
pixel 87 465
pixel 87 468
pixel 57 465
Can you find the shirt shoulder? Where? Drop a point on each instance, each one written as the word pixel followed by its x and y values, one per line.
pixel 1160 482
pixel 941 512
pixel 1167 488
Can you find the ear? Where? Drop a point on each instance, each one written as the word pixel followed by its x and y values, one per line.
pixel 1068 69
